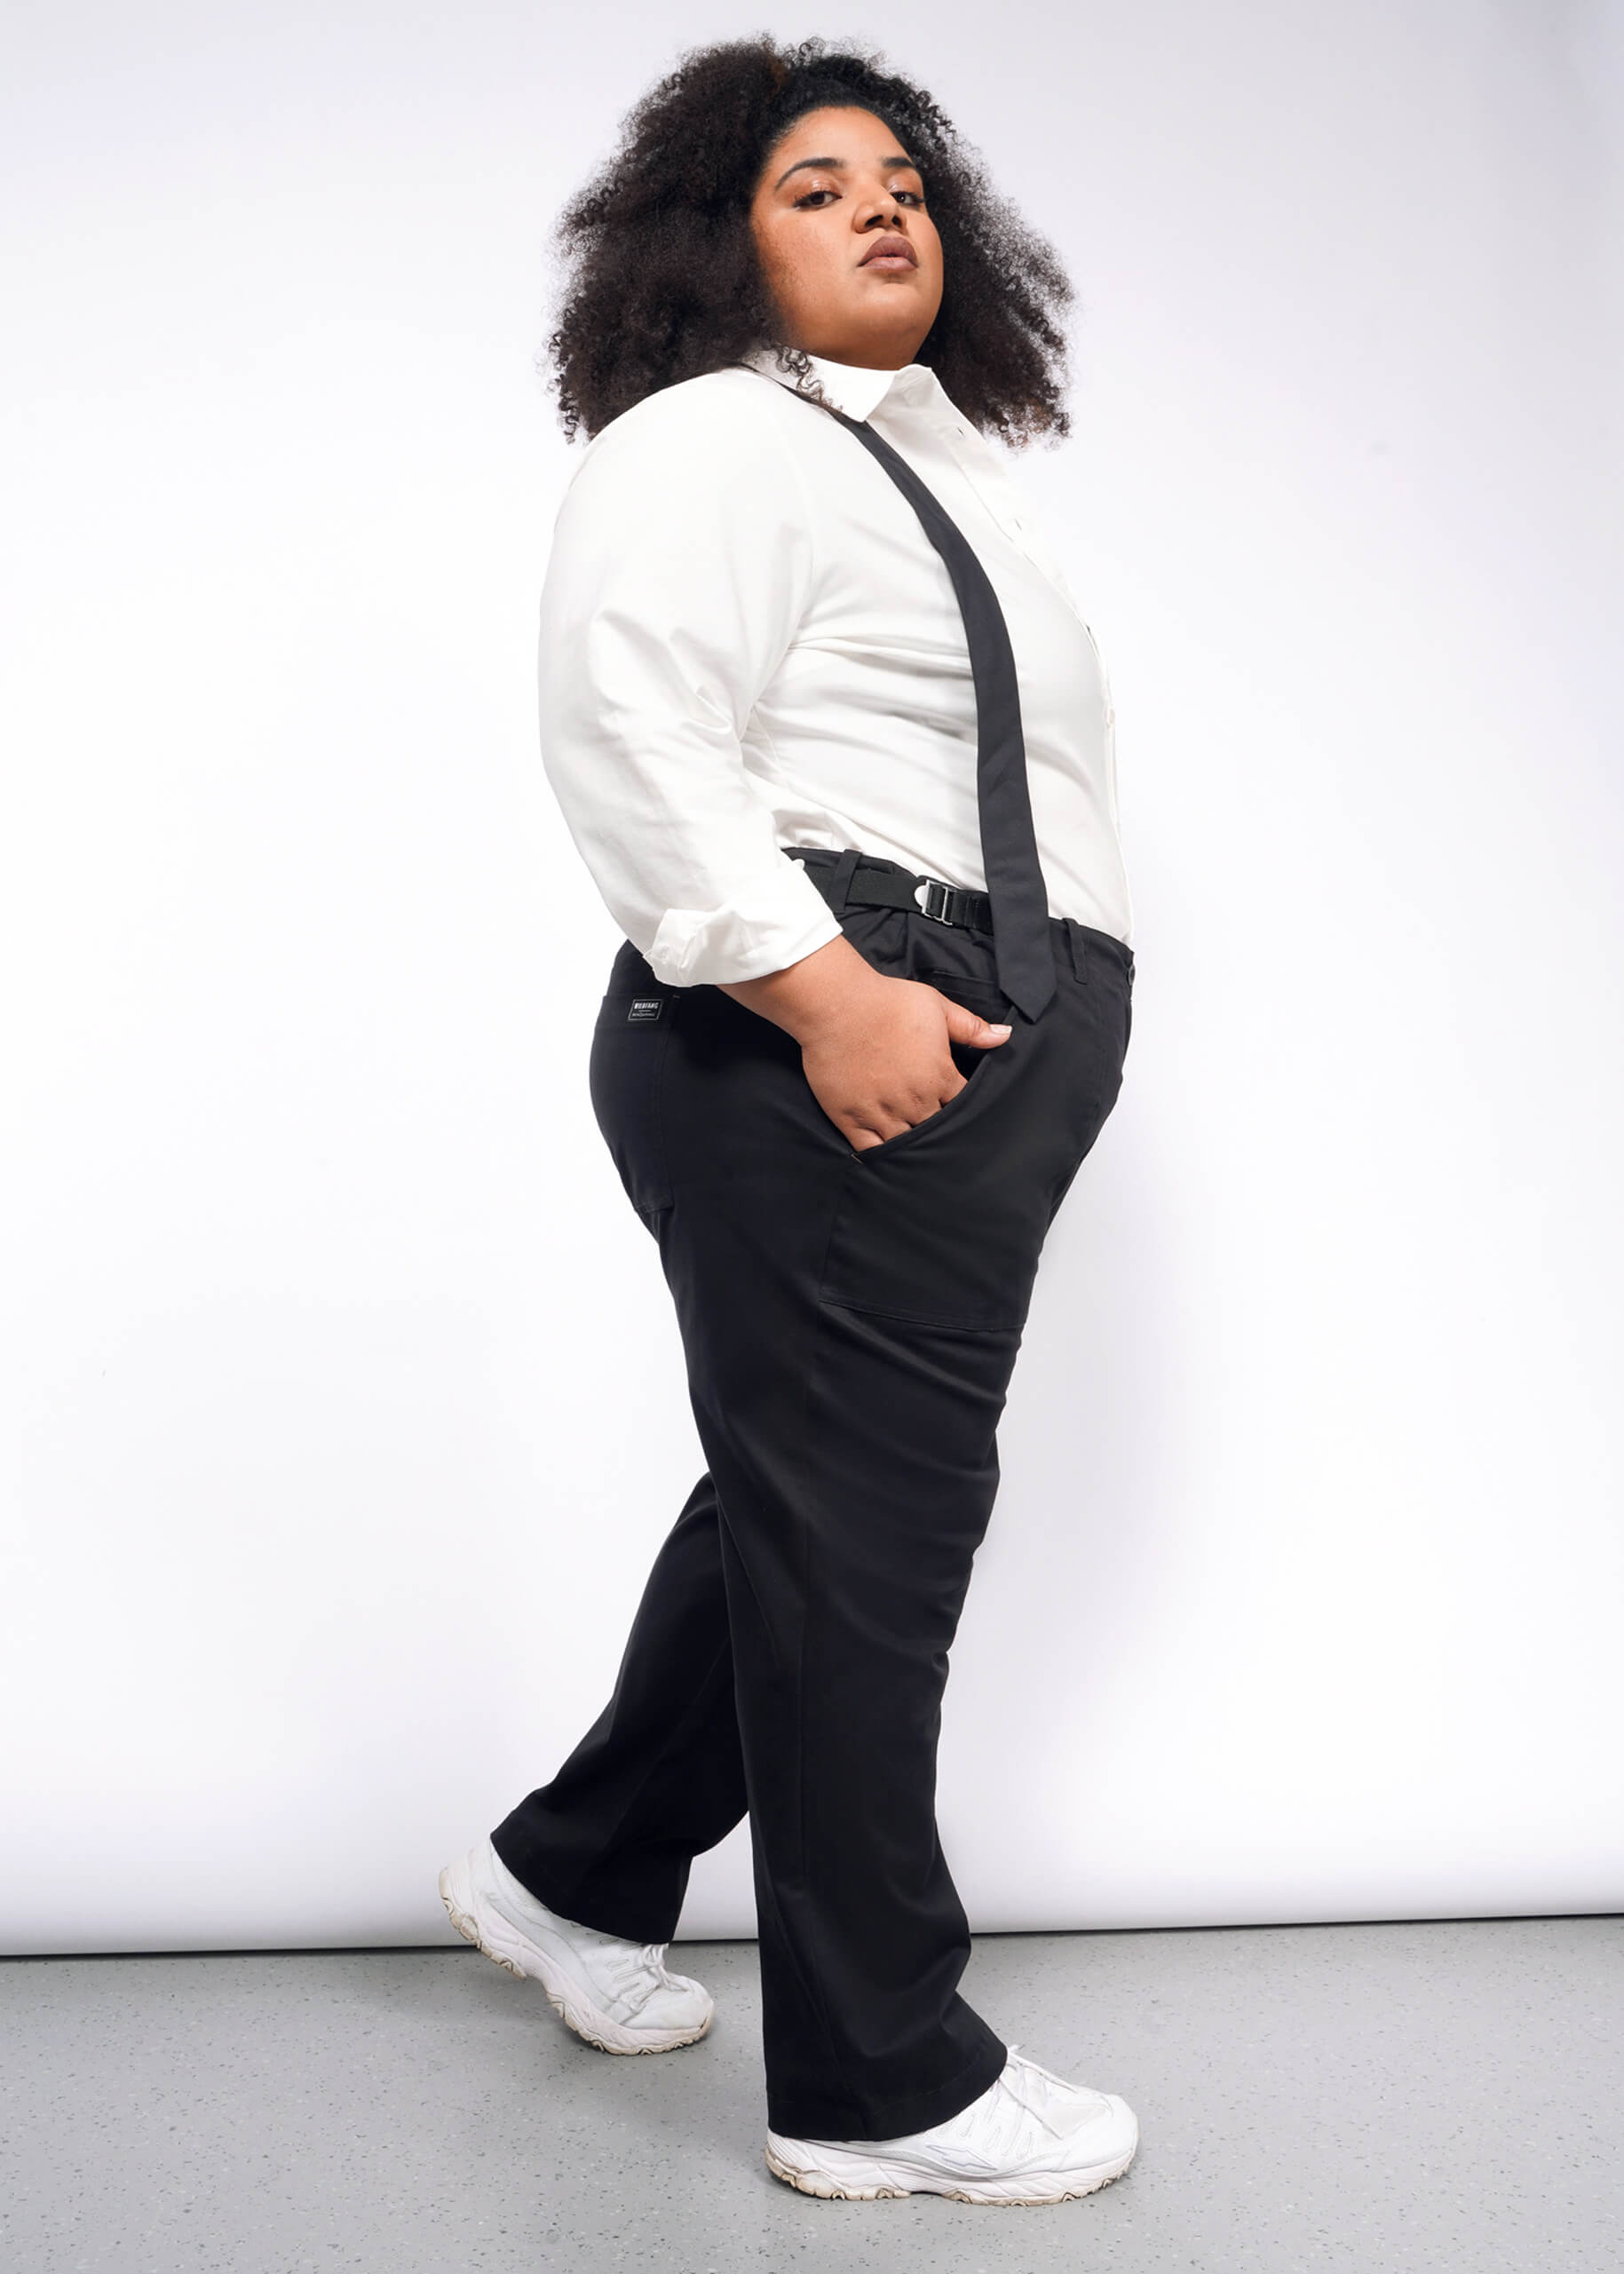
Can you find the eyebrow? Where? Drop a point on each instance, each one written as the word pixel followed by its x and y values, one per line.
pixel 839 165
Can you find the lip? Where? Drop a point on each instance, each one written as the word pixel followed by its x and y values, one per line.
pixel 893 251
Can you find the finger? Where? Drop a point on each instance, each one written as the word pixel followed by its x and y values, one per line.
pixel 865 1135
pixel 865 1126
pixel 883 1123
pixel 966 1026
pixel 925 1102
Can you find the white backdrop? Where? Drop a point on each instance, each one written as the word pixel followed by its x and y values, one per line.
pixel 1302 1595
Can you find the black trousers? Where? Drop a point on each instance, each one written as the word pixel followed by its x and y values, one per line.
pixel 850 1322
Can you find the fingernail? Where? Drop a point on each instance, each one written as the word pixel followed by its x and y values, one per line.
pixel 1000 1030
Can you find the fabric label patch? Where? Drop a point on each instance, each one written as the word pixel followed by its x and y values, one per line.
pixel 645 1009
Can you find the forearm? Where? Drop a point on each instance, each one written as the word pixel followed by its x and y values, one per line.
pixel 820 992
pixel 876 1050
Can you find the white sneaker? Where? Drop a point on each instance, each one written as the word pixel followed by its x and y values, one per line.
pixel 616 1994
pixel 1030 2138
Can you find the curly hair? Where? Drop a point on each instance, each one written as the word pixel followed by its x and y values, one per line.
pixel 661 279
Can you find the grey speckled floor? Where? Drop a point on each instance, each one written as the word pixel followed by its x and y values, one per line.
pixel 1371 2097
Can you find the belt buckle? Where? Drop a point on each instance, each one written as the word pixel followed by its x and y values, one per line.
pixel 932 896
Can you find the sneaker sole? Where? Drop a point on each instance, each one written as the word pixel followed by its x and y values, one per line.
pixel 858 2179
pixel 499 1940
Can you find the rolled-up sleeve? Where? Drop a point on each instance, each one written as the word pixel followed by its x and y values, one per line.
pixel 680 566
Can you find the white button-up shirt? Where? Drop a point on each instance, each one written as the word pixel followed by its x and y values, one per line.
pixel 748 641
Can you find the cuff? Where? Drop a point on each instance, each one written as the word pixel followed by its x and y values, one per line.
pixel 700 947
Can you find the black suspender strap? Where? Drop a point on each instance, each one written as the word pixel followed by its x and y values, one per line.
pixel 1022 942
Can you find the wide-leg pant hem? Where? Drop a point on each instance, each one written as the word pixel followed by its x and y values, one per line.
pixel 605 1915
pixel 811 2117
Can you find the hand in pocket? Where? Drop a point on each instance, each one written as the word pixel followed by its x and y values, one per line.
pixel 882 1063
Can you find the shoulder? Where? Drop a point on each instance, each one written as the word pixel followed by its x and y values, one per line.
pixel 725 423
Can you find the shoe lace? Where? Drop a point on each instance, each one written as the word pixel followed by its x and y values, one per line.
pixel 636 1970
pixel 1021 2098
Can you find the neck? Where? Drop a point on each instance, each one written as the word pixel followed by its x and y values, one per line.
pixel 861 359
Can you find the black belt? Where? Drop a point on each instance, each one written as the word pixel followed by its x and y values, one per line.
pixel 891 886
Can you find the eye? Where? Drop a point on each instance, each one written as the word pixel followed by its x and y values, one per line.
pixel 814 198
pixel 909 197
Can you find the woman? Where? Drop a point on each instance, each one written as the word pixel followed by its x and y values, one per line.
pixel 836 748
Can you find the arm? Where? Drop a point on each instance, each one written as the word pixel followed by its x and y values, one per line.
pixel 875 1049
pixel 681 566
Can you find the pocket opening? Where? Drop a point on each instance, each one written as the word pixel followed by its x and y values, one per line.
pixel 915 1128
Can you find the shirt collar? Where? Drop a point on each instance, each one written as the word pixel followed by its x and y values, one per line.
pixel 850 387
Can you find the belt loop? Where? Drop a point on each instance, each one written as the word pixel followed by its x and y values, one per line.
pixel 840 880
pixel 1080 953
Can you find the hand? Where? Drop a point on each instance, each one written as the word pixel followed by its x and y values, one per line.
pixel 882 1064
pixel 875 1049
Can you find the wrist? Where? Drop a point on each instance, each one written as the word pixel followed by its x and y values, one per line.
pixel 808 999
pixel 841 1000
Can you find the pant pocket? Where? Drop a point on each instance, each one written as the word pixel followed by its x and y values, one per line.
pixel 970 994
pixel 945 1222
pixel 968 1060
pixel 940 1224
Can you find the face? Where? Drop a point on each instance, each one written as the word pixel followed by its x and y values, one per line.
pixel 850 254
